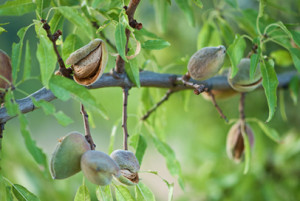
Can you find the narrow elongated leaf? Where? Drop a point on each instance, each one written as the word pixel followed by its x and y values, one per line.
pixel 232 3
pixel 143 193
pixel 64 88
pixel 247 151
pixel 47 59
pixel 133 72
pixel 198 3
pixel 17 53
pixel 120 38
pixel 103 193
pixel 270 83
pixel 22 194
pixel 71 43
pixel 41 5
pixel 37 153
pixel 270 132
pixel 295 53
pixel 82 194
pixel 17 7
pixel 294 89
pixel 254 59
pixel 161 14
pixel 236 52
pixel 141 148
pixel 282 105
pixel 187 10
pixel 208 36
pixel 47 107
pixel 296 37
pixel 123 194
pixel 8 192
pixel 227 33
pixel 262 4
pixel 62 118
pixel 2 30
pixel 103 26
pixel 56 21
pixel 11 106
pixel 28 63
pixel 75 17
pixel 155 44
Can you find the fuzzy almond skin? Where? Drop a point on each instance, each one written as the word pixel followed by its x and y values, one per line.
pixel 235 142
pixel 65 160
pixel 129 166
pixel 242 82
pixel 206 62
pixel 98 167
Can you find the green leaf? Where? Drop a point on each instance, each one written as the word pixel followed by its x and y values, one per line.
pixel 37 153
pixel 155 44
pixel 208 36
pixel 9 196
pixel 141 148
pixel 120 38
pixel 295 53
pixel 75 17
pixel 123 194
pixel 2 30
pixel 236 53
pixel 103 193
pixel 198 3
pixel 11 106
pixel 161 14
pixel 41 5
pixel 133 72
pixel 28 63
pixel 82 194
pixel 17 53
pixel 22 194
pixel 254 59
pixel 147 33
pixel 47 59
pixel 17 7
pixel 143 193
pixel 112 137
pixel 46 106
pixel 270 132
pixel 64 88
pixel 282 105
pixel 71 43
pixel 262 4
pixel 62 118
pixel 56 21
pixel 103 26
pixel 270 83
pixel 294 89
pixel 187 10
pixel 296 36
pixel 232 3
pixel 247 151
pixel 227 33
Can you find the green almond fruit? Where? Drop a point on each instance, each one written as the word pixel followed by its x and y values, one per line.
pixel 65 160
pixel 98 167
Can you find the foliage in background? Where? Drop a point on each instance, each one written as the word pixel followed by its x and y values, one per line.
pixel 196 161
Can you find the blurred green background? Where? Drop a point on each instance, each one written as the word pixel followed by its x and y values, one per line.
pixel 188 123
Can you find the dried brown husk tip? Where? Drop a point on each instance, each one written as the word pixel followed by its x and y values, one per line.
pixel 89 62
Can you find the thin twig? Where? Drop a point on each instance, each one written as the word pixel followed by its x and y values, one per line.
pixel 199 88
pixel 164 98
pixel 130 10
pixel 66 72
pixel 242 106
pixel 217 106
pixel 124 118
pixel 87 131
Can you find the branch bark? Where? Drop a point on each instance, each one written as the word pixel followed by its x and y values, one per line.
pixel 147 79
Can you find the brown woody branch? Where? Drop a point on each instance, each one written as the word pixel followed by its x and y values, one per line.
pixel 147 79
pixel 87 131
pixel 124 118
pixel 217 106
pixel 66 72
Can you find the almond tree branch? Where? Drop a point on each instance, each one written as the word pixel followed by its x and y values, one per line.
pixel 217 106
pixel 147 79
pixel 87 131
pixel 124 118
